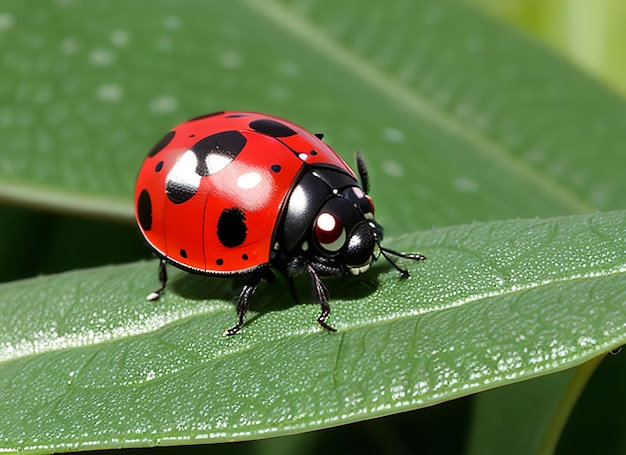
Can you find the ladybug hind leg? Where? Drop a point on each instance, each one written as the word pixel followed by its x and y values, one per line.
pixel 163 279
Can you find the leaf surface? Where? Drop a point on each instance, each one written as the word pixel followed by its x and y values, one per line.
pixel 88 363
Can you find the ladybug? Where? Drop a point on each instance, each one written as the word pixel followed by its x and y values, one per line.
pixel 233 193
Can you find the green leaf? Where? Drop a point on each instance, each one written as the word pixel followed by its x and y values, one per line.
pixel 468 118
pixel 460 118
pixel 88 363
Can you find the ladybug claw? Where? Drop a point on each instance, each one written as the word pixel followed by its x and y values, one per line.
pixel 232 331
pixel 163 279
pixel 322 321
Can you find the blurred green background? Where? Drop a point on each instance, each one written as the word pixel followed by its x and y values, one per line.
pixel 590 34
pixel 37 241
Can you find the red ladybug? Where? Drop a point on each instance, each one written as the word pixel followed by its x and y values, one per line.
pixel 235 193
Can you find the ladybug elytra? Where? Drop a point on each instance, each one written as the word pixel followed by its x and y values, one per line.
pixel 242 193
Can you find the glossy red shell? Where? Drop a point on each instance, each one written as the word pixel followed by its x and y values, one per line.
pixel 216 211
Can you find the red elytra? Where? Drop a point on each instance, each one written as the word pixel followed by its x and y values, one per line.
pixel 239 192
pixel 256 183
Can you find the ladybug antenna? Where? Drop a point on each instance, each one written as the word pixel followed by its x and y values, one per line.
pixel 362 168
pixel 386 252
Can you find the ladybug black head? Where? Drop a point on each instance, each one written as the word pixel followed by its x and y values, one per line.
pixel 344 232
pixel 329 220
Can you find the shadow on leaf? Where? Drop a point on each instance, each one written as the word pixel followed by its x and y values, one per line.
pixel 275 295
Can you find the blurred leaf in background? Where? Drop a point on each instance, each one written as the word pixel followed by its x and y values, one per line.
pixel 460 117
pixel 591 34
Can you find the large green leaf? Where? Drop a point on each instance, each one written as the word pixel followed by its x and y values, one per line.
pixel 459 117
pixel 88 363
pixel 471 120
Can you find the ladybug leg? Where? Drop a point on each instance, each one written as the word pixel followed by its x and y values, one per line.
pixel 404 273
pixel 243 301
pixel 322 296
pixel 163 279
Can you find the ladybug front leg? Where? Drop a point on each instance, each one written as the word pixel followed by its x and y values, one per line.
pixel 322 296
pixel 163 279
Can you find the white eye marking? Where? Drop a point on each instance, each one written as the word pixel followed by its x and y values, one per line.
pixel 329 232
pixel 326 222
pixel 305 246
pixel 249 180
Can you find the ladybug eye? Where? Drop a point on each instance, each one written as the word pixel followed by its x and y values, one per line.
pixel 329 232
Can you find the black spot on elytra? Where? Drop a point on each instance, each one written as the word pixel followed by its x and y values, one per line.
pixel 271 128
pixel 227 144
pixel 162 143
pixel 276 168
pixel 244 256
pixel 179 192
pixel 219 261
pixel 159 166
pixel 231 227
pixel 200 117
pixel 144 210
pixel 237 115
pixel 183 253
pixel 313 152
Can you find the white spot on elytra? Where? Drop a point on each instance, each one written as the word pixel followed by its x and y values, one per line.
pixel 393 135
pixel 465 185
pixel 249 180
pixel 110 92
pixel 303 156
pixel 120 38
pixel 183 174
pixel 230 60
pixel 215 162
pixel 164 104
pixel 392 168
pixel 102 57
pixel 6 21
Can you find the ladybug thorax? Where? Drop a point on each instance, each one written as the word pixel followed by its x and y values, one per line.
pixel 329 220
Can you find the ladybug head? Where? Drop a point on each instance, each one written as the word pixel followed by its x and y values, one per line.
pixel 329 221
pixel 345 232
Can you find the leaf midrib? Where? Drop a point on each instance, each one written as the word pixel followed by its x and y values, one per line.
pixel 147 326
pixel 316 38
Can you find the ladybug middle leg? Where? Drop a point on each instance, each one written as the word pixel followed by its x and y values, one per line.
pixel 243 301
pixel 322 296
pixel 299 265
